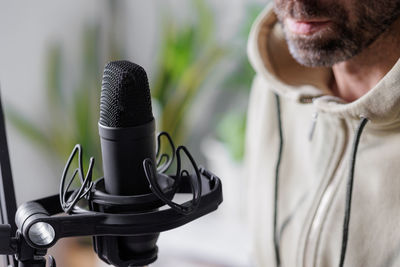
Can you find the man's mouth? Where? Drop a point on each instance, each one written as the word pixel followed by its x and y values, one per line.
pixel 306 26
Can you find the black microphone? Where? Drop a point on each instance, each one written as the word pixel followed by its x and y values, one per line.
pixel 127 135
pixel 126 127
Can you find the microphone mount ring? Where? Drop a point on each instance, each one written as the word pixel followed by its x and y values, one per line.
pixel 92 223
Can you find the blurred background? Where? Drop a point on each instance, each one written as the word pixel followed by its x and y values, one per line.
pixel 51 61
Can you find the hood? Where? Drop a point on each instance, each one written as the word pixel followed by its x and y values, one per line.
pixel 270 57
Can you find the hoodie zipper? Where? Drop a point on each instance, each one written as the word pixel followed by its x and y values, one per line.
pixel 313 125
pixel 325 198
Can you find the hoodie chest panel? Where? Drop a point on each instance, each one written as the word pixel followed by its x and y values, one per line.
pixel 374 239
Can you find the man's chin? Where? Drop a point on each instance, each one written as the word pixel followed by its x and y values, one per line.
pixel 313 58
pixel 318 53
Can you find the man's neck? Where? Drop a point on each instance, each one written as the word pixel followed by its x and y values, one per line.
pixel 355 77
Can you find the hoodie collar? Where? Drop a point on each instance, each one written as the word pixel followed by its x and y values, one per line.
pixel 270 57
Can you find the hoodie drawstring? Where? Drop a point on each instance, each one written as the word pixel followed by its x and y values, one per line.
pixel 349 192
pixel 278 163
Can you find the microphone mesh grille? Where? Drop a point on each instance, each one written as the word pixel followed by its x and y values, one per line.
pixel 125 99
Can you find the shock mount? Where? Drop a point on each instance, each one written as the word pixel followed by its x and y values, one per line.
pixel 90 211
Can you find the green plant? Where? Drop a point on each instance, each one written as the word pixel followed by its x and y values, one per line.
pixel 188 54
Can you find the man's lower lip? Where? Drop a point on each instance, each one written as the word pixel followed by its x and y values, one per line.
pixel 306 27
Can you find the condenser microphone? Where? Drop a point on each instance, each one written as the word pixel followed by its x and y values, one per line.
pixel 126 127
pixel 127 136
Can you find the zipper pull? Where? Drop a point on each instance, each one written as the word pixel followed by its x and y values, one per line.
pixel 313 124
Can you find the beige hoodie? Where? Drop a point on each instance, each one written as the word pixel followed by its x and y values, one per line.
pixel 318 134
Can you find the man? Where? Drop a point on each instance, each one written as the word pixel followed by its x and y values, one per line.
pixel 323 141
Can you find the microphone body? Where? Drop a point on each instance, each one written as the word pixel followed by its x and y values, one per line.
pixel 123 151
pixel 127 136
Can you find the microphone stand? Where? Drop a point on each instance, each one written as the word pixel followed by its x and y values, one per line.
pixel 8 203
pixel 24 242
pixel 7 194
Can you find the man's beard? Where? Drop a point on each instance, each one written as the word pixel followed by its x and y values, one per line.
pixel 345 37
